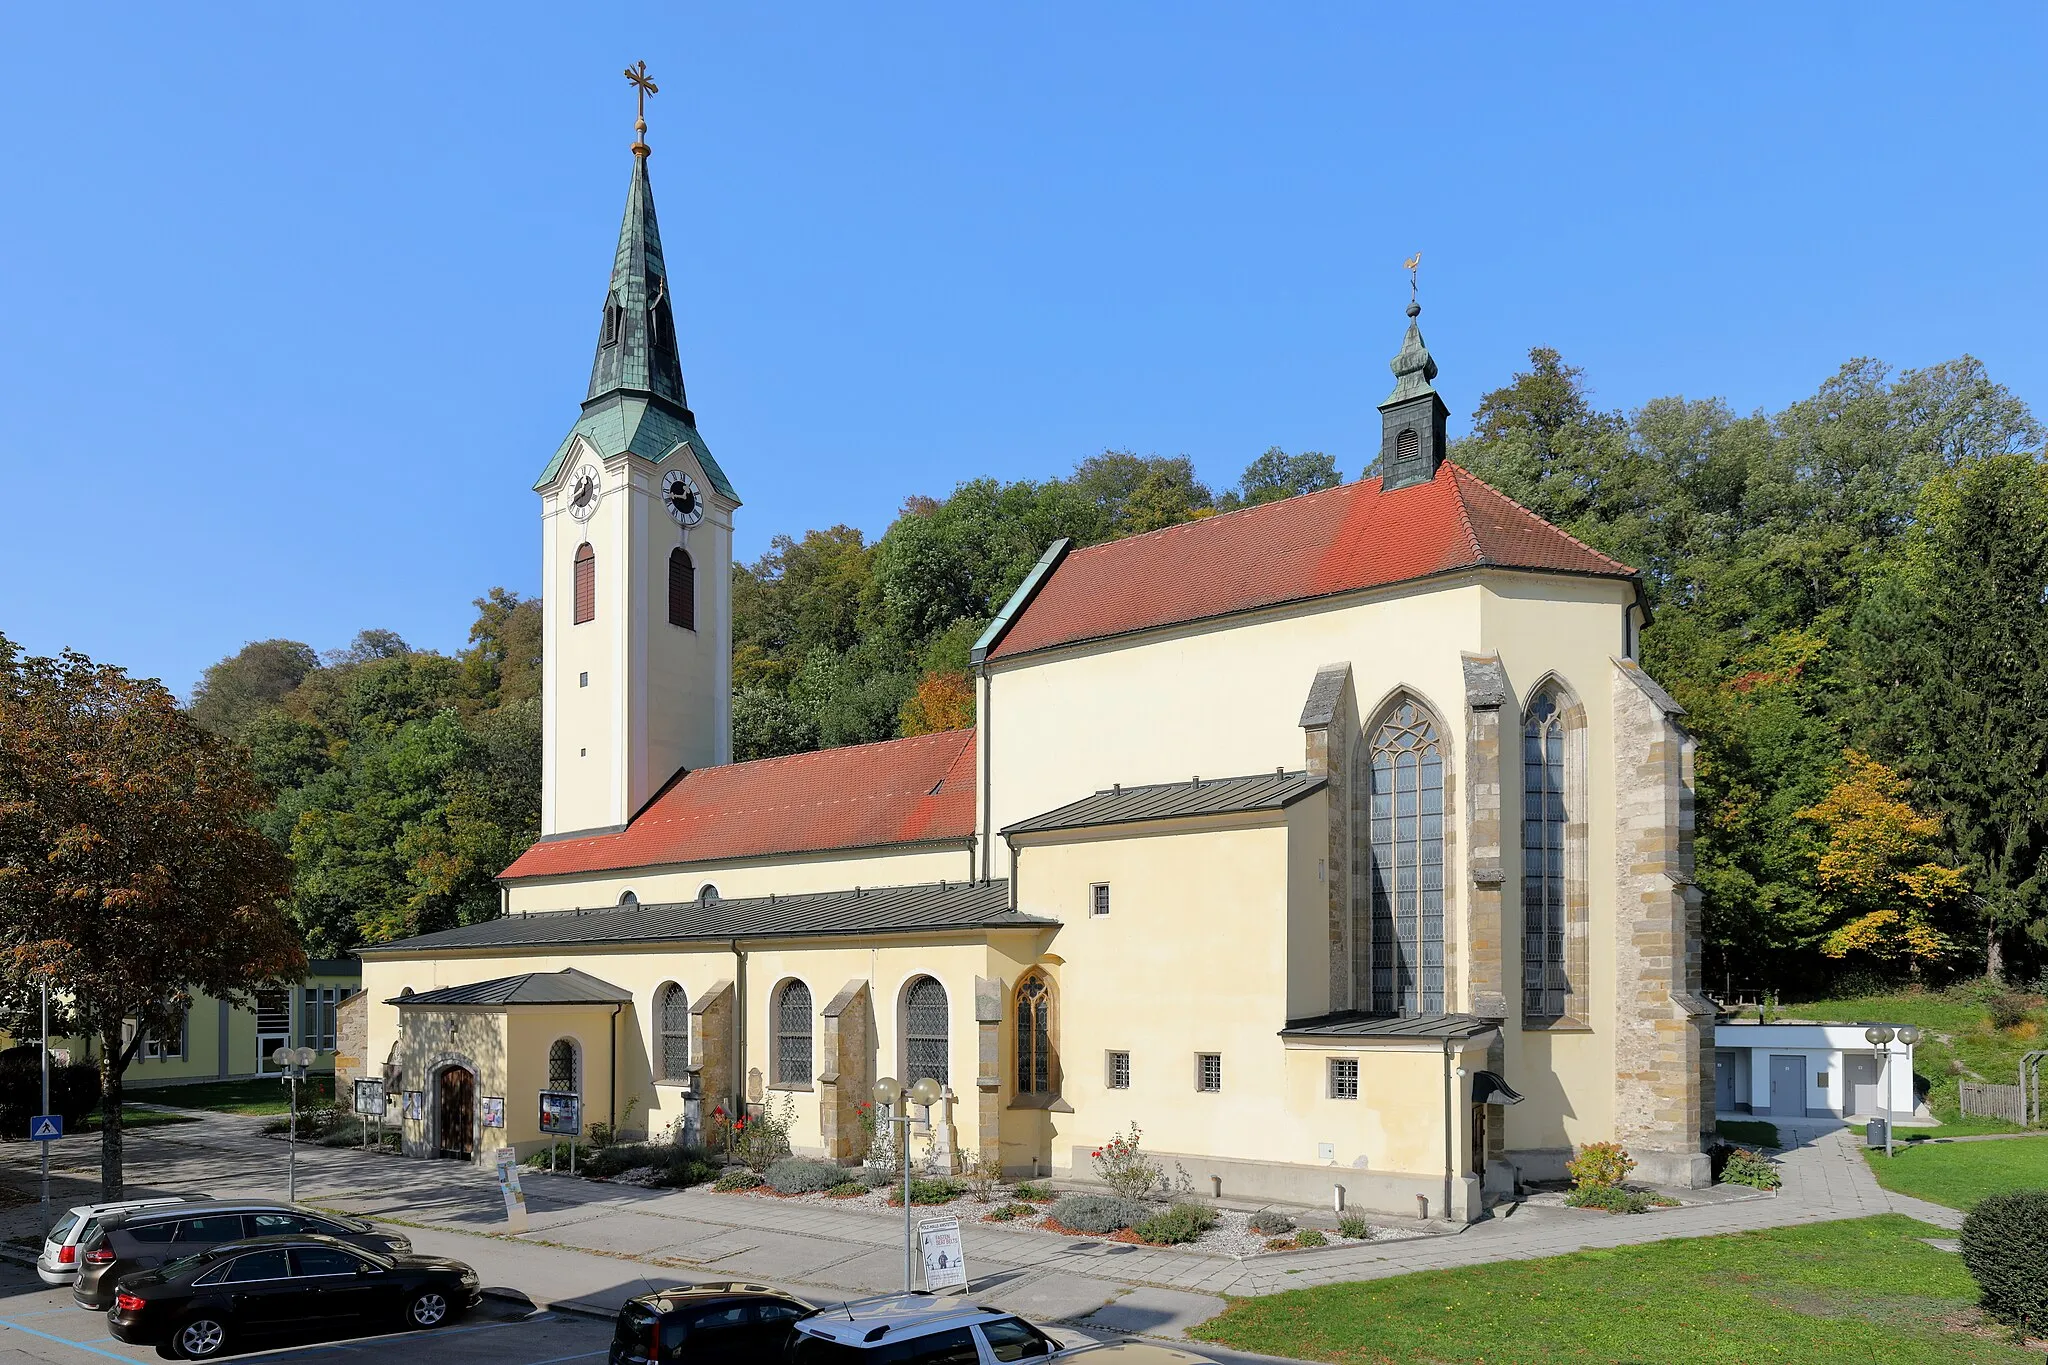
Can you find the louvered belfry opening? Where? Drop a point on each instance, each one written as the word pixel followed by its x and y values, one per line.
pixel 586 584
pixel 682 589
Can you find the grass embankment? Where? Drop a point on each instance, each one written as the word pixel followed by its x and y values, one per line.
pixel 1957 1042
pixel 264 1096
pixel 1959 1174
pixel 131 1117
pixel 1845 1293
pixel 1748 1132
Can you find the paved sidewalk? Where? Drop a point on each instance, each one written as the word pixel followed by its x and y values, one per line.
pixel 591 1245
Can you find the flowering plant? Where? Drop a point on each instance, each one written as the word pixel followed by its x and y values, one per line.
pixel 1121 1164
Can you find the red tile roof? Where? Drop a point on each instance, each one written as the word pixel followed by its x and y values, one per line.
pixel 1339 540
pixel 902 791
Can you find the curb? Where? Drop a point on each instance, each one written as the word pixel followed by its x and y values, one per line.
pixel 568 1307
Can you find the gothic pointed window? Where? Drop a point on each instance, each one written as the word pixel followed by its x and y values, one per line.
pixel 926 1041
pixel 585 593
pixel 673 1010
pixel 1553 851
pixel 614 321
pixel 793 1034
pixel 682 589
pixel 1037 1070
pixel 1407 814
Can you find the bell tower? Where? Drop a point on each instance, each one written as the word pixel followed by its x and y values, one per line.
pixel 636 554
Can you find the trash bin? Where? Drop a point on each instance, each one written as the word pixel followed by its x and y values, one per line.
pixel 1878 1134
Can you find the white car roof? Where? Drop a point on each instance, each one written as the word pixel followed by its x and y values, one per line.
pixel 120 1205
pixel 894 1317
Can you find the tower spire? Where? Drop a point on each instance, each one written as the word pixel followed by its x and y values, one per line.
pixel 1412 417
pixel 636 343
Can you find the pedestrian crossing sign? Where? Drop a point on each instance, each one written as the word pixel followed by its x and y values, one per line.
pixel 45 1127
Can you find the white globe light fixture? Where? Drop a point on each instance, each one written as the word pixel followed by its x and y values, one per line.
pixel 888 1094
pixel 1880 1036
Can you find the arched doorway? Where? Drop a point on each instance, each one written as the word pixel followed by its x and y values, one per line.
pixel 457 1113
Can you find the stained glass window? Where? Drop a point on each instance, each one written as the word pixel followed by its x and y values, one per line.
pixel 562 1069
pixel 1545 984
pixel 1034 1036
pixel 793 1034
pixel 925 1034
pixel 675 1033
pixel 1407 864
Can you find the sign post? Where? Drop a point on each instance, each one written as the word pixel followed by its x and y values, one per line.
pixel 508 1187
pixel 46 1098
pixel 561 1115
pixel 370 1101
pixel 945 1260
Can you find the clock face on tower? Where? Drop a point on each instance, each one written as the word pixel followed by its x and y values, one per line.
pixel 583 491
pixel 684 502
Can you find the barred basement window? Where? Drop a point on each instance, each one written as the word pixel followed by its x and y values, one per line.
pixel 1209 1071
pixel 585 584
pixel 1343 1078
pixel 564 1074
pixel 682 589
pixel 1407 863
pixel 925 1041
pixel 1036 1072
pixel 1098 899
pixel 1119 1071
pixel 674 1050
pixel 793 1034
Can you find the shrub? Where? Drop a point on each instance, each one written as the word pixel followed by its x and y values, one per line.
pixel 1124 1167
pixel 847 1189
pixel 983 1176
pixel 1007 1212
pixel 1182 1222
pixel 1612 1198
pixel 1600 1163
pixel 941 1190
pixel 1750 1168
pixel 739 1178
pixel 1037 1194
pixel 1096 1213
pixel 2005 1247
pixel 874 1177
pixel 74 1089
pixel 1354 1227
pixel 1279 1244
pixel 2008 1009
pixel 762 1139
pixel 1271 1222
pixel 560 1152
pixel 802 1175
pixel 1310 1237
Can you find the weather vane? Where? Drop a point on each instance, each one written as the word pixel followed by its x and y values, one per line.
pixel 1413 265
pixel 642 88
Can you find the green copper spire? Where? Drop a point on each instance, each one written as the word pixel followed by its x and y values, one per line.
pixel 1412 418
pixel 636 341
pixel 1414 367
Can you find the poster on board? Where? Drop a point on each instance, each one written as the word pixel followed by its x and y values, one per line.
pixel 492 1107
pixel 370 1099
pixel 415 1104
pixel 945 1261
pixel 561 1113
pixel 507 1163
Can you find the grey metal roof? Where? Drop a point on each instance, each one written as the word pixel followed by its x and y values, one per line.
pixel 566 987
pixel 1351 1024
pixel 870 910
pixel 1171 800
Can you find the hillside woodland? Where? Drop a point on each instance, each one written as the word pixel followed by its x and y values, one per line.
pixel 1849 597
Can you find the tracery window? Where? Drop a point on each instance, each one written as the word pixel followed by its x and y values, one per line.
pixel 1037 1073
pixel 1407 788
pixel 563 1072
pixel 1547 853
pixel 793 1034
pixel 674 1013
pixel 925 1041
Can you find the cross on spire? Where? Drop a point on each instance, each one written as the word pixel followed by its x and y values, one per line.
pixel 636 74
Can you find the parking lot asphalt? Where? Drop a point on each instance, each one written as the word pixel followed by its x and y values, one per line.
pixel 38 1323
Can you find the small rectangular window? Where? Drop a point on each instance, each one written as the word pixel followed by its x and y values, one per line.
pixel 1098 899
pixel 1343 1078
pixel 1119 1071
pixel 1209 1071
pixel 583 680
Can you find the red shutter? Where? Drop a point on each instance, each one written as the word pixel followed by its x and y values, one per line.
pixel 586 583
pixel 682 589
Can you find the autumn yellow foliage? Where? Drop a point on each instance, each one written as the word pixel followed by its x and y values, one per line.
pixel 943 701
pixel 1883 890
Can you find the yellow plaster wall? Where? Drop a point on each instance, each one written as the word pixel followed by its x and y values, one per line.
pixel 738 878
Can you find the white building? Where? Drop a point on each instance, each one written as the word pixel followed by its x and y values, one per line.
pixel 1810 1071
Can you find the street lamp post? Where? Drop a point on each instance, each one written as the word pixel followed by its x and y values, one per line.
pixel 889 1093
pixel 294 1060
pixel 1882 1035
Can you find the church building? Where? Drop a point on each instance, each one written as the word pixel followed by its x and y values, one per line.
pixel 1339 843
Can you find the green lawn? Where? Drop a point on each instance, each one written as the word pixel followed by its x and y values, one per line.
pixel 1748 1132
pixel 1847 1293
pixel 1958 1174
pixel 1969 1127
pixel 237 1097
pixel 1955 1032
pixel 131 1117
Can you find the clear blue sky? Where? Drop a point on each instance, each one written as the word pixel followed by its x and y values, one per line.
pixel 296 301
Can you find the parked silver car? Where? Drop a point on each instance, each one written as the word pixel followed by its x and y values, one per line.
pixel 57 1262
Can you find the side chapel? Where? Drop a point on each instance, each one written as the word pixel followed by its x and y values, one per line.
pixel 1340 843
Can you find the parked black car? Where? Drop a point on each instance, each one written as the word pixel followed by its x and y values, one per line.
pixel 143 1238
pixel 259 1292
pixel 706 1324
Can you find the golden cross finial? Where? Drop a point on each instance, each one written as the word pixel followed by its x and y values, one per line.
pixel 642 88
pixel 1413 265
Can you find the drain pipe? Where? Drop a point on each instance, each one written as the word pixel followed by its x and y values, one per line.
pixel 738 1079
pixel 1450 1157
pixel 612 1089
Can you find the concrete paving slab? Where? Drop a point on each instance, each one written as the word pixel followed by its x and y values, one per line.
pixel 1048 1296
pixel 1155 1312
